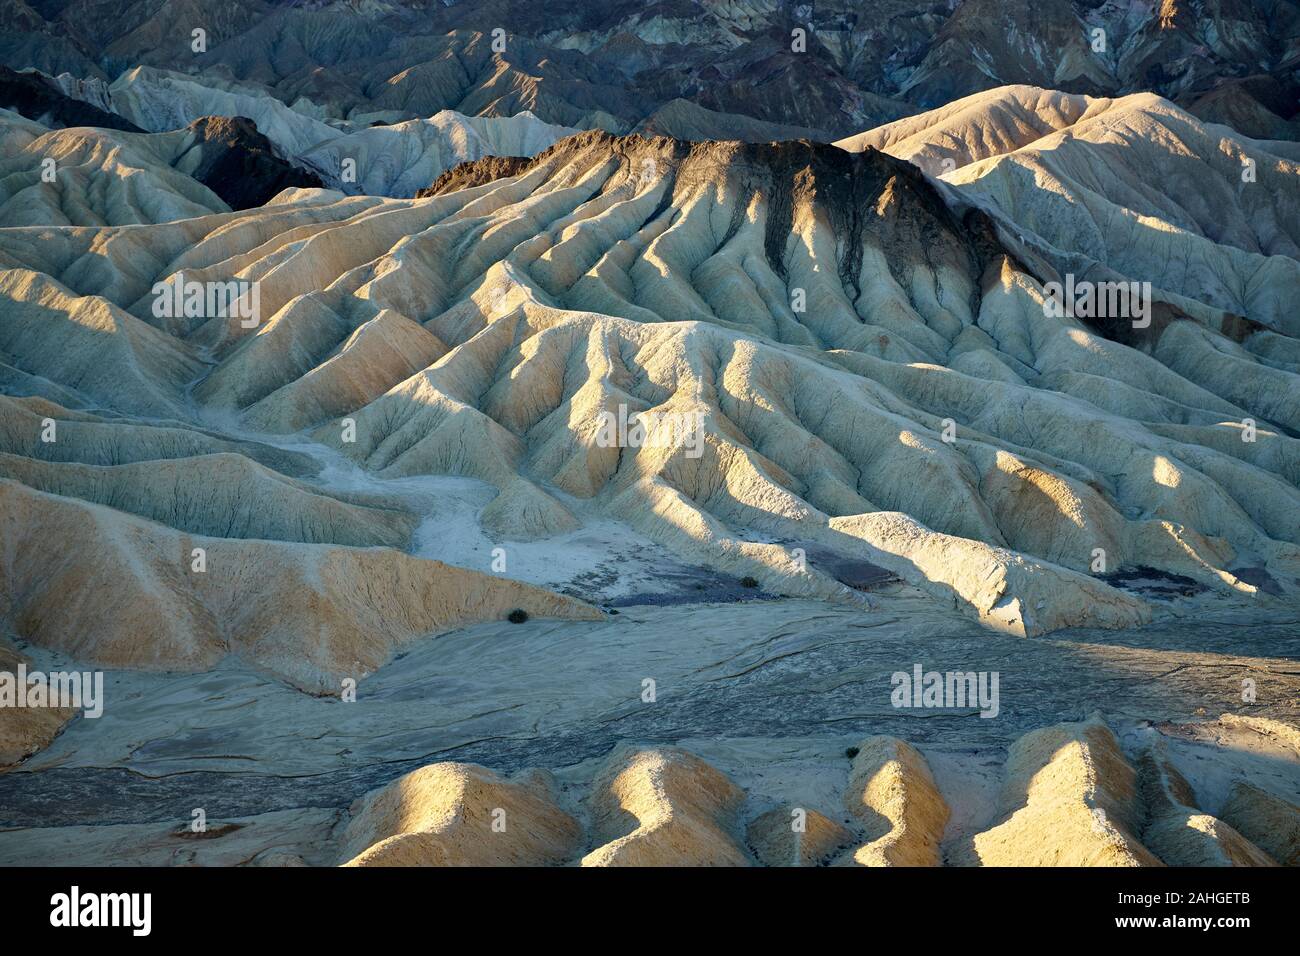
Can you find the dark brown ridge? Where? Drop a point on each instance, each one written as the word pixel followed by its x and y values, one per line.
pixel 241 165
pixel 857 192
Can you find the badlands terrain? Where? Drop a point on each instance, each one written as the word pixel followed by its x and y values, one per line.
pixel 369 584
pixel 836 67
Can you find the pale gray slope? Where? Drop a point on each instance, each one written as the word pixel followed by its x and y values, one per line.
pixel 92 177
pixel 386 160
pixel 1134 184
pixel 401 159
pixel 161 100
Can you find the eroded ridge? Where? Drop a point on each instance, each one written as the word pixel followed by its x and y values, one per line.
pixel 870 364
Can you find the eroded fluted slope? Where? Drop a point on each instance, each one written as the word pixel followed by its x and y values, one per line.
pixel 1133 184
pixel 871 363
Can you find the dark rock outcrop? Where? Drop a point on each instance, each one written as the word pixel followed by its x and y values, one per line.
pixel 240 165
pixel 36 97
